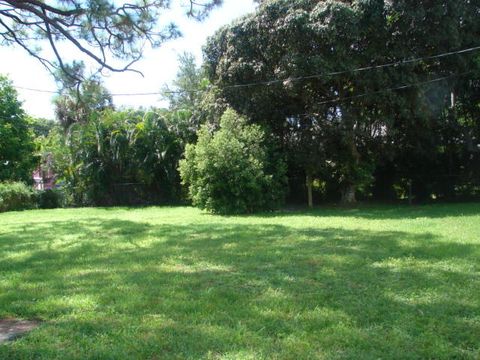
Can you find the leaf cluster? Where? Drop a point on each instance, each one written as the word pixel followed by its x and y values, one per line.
pixel 231 170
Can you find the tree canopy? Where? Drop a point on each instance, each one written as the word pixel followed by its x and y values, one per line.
pixel 349 79
pixel 17 147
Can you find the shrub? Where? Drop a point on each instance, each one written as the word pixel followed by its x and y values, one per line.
pixel 233 170
pixel 50 199
pixel 16 196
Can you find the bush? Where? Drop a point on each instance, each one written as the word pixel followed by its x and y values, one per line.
pixel 233 170
pixel 49 199
pixel 16 196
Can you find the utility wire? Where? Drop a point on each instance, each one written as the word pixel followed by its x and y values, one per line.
pixel 401 87
pixel 290 79
pixel 361 69
pixel 407 86
pixel 127 94
pixel 36 90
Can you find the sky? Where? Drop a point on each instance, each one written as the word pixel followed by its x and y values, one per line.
pixel 159 66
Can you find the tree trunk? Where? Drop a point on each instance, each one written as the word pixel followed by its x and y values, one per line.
pixel 349 186
pixel 348 190
pixel 309 190
pixel 348 195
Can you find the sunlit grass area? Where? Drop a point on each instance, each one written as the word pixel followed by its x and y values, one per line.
pixel 176 283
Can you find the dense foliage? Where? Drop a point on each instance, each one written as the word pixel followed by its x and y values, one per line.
pixel 232 170
pixel 16 196
pixel 118 157
pixel 17 146
pixel 294 65
pixel 49 199
pixel 363 99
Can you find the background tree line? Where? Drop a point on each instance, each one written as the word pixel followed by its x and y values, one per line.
pixel 303 100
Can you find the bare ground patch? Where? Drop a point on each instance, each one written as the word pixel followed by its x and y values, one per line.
pixel 11 329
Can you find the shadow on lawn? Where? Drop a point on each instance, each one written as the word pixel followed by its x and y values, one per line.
pixel 383 212
pixel 117 289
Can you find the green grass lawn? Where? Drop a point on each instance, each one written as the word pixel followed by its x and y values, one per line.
pixel 161 283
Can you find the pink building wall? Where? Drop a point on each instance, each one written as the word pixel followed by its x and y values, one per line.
pixel 44 179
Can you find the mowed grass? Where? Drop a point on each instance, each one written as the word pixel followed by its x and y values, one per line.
pixel 176 283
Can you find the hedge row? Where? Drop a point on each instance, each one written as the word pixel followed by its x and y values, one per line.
pixel 16 196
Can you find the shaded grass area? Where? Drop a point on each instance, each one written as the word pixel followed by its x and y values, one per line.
pixel 160 283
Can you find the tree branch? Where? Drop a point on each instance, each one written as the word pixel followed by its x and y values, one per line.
pixel 93 28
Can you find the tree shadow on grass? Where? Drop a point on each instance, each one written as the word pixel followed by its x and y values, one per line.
pixel 382 212
pixel 116 289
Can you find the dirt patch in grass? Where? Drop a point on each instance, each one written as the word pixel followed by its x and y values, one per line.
pixel 11 329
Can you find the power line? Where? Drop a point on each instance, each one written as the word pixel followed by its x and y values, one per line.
pixel 342 99
pixel 407 86
pixel 35 90
pixel 361 69
pixel 328 101
pixel 120 94
pixel 290 79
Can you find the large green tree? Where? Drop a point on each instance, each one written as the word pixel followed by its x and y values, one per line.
pixel 314 72
pixel 261 73
pixel 17 148
pixel 430 134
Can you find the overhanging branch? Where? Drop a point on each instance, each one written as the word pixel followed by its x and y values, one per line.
pixel 96 29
